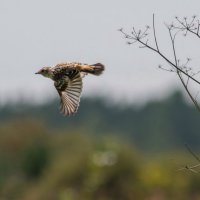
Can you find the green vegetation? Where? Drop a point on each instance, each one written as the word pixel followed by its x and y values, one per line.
pixel 165 125
pixel 103 153
pixel 36 163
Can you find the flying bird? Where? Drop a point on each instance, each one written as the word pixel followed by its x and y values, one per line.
pixel 67 79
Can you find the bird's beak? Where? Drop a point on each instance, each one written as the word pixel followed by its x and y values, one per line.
pixel 37 72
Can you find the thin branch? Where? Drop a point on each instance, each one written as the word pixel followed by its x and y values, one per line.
pixel 154 33
pixel 170 62
pixel 192 153
pixel 198 27
pixel 190 95
pixel 173 46
pixel 189 168
pixel 185 85
pixel 193 167
pixel 139 36
pixel 192 27
pixel 162 55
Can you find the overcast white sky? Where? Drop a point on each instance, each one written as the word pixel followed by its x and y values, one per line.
pixel 37 33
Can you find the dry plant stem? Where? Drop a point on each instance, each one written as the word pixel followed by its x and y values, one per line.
pixel 191 152
pixel 162 55
pixel 154 33
pixel 139 37
pixel 188 27
pixel 191 168
pixel 178 72
pixel 185 85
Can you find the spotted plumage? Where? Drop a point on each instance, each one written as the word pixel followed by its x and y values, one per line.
pixel 67 79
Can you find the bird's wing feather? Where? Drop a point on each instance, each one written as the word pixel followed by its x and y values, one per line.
pixel 69 90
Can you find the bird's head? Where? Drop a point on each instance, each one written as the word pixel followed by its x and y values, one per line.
pixel 45 71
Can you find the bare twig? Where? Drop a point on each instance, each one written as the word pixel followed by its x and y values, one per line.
pixel 192 153
pixel 192 168
pixel 162 55
pixel 154 33
pixel 139 36
pixel 191 27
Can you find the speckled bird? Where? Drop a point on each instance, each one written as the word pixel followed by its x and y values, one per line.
pixel 67 79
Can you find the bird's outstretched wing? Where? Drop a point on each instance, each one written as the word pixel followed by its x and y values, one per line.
pixel 69 89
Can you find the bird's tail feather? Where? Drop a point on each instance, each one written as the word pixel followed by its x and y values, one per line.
pixel 95 69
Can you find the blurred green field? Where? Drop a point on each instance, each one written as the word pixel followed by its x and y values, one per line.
pixel 83 160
